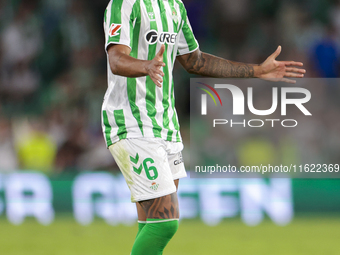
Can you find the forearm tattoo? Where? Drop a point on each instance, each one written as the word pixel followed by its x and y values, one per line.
pixel 161 208
pixel 208 65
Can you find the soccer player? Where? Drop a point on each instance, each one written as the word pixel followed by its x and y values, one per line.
pixel 140 124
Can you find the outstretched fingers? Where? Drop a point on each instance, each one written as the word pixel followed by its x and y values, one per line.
pixel 159 73
pixel 293 75
pixel 157 77
pixel 292 63
pixel 281 79
pixel 288 80
pixel 154 70
pixel 295 70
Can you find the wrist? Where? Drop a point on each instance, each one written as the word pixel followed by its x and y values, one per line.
pixel 257 71
pixel 145 67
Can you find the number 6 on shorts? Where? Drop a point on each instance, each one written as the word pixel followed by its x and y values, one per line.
pixel 150 171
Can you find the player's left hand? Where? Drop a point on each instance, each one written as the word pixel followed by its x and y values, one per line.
pixel 271 69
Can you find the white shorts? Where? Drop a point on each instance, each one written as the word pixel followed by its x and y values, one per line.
pixel 149 165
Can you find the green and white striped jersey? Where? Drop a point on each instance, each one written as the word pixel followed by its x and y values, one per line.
pixel 136 107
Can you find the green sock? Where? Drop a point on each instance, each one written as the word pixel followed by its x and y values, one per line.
pixel 154 236
pixel 141 225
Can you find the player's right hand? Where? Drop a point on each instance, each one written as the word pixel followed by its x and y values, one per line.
pixel 153 67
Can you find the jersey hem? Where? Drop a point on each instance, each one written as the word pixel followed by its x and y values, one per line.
pixel 116 139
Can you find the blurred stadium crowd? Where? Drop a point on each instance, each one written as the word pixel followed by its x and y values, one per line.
pixel 53 70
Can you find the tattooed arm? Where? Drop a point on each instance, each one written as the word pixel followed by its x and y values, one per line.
pixel 205 64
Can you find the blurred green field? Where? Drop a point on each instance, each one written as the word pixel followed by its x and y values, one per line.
pixel 305 235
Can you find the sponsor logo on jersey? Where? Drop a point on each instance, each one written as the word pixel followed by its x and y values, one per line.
pixel 153 37
pixel 154 186
pixel 180 160
pixel 113 31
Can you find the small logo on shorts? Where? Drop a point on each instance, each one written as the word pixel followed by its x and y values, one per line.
pixel 154 186
pixel 180 160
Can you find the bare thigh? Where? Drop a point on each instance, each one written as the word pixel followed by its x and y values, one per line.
pixel 159 208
